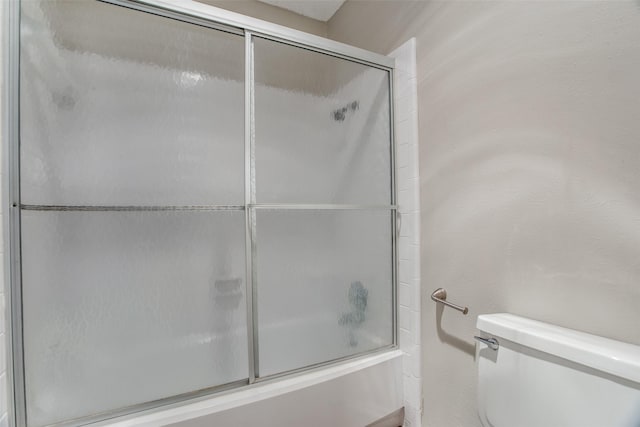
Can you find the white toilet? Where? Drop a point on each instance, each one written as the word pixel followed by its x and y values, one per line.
pixel 541 375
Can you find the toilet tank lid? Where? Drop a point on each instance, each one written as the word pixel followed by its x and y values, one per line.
pixel 614 357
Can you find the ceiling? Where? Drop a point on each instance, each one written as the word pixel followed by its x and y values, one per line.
pixel 322 10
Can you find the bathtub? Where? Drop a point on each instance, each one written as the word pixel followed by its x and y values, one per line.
pixel 353 393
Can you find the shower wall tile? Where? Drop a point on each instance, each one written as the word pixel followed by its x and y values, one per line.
pixel 406 130
pixel 404 272
pixel 405 318
pixel 403 155
pixel 408 226
pixel 403 174
pixel 415 293
pixel 404 293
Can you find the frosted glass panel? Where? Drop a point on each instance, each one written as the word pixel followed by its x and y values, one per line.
pixel 322 128
pixel 128 307
pixel 324 286
pixel 124 107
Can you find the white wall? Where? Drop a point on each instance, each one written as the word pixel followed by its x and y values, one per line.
pixel 529 167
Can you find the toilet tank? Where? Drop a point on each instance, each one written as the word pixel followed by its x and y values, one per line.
pixel 543 375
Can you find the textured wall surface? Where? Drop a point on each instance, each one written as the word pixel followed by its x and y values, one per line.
pixel 529 169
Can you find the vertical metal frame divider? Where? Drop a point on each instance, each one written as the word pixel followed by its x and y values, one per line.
pixel 250 216
pixel 13 275
pixel 12 202
pixel 396 222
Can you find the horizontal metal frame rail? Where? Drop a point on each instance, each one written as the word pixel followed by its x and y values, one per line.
pixel 125 208
pixel 190 11
pixel 257 206
pixel 318 207
pixel 169 12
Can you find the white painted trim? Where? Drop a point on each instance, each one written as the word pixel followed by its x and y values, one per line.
pixel 408 200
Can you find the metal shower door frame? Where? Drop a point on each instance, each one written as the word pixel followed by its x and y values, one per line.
pixel 207 16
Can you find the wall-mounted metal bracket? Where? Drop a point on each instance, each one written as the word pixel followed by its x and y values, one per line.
pixel 492 343
pixel 440 296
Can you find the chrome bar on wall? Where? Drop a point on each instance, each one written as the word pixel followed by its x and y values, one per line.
pixel 440 296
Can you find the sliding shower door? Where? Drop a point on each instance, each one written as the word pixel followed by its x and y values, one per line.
pixel 194 207
pixel 133 226
pixel 324 264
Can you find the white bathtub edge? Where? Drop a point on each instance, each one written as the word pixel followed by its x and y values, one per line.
pixel 254 393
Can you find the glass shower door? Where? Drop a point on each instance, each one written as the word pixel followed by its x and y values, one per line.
pixel 324 213
pixel 181 230
pixel 132 216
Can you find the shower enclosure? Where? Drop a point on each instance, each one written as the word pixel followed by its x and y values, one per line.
pixel 195 205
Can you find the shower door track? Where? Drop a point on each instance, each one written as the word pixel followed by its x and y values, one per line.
pixel 201 14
